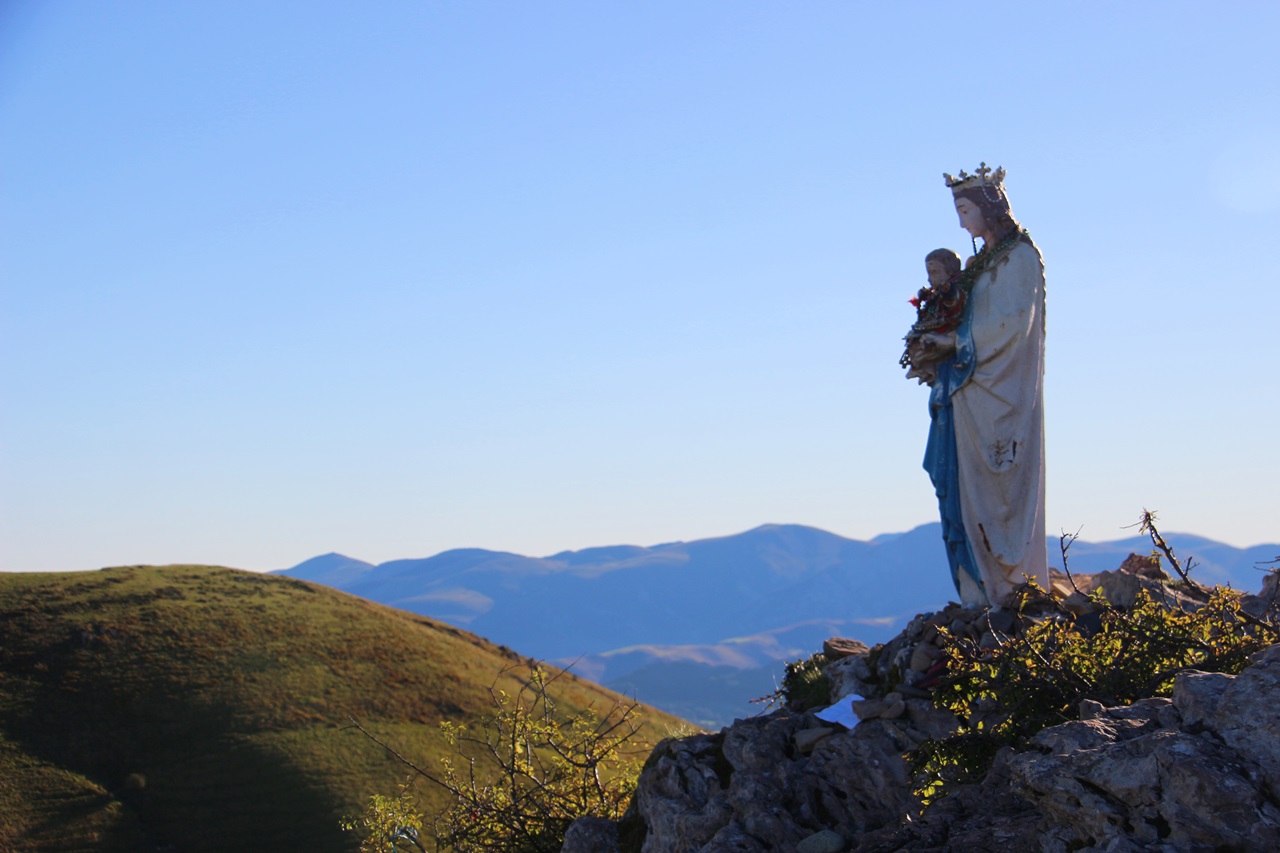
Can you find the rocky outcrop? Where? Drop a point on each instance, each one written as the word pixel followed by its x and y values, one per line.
pixel 774 782
pixel 1197 771
pixel 782 781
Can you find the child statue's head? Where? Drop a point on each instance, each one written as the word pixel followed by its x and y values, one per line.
pixel 941 265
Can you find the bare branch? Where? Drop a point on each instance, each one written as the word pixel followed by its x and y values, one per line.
pixel 417 771
pixel 1065 541
pixel 1147 524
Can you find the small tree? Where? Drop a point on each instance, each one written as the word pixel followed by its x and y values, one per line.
pixel 388 822
pixel 518 778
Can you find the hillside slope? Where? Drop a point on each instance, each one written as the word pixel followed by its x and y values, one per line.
pixel 200 709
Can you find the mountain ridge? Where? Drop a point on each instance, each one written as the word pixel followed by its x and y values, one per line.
pixel 717 599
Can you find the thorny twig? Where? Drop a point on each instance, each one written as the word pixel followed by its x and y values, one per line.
pixel 1065 541
pixel 417 771
pixel 1147 524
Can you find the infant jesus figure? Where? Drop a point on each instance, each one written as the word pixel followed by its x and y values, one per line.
pixel 938 310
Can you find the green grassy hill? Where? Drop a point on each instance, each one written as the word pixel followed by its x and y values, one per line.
pixel 191 708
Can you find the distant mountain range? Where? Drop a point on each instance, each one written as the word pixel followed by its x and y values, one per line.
pixel 699 628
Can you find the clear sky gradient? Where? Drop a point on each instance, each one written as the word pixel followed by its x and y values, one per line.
pixel 284 278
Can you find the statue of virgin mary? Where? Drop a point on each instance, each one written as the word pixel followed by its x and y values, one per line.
pixel 986 436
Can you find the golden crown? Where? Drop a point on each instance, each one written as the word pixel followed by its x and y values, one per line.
pixel 981 177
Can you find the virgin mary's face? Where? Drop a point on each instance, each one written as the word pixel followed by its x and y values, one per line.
pixel 971 218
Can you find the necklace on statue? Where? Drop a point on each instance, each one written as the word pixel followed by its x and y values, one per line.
pixel 982 261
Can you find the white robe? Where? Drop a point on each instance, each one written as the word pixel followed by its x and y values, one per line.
pixel 999 423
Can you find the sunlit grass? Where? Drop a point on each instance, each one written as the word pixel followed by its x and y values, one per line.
pixel 171 701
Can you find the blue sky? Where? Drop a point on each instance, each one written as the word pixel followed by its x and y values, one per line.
pixel 278 279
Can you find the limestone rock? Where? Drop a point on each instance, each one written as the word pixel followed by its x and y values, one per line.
pixel 989 816
pixel 1180 790
pixel 837 648
pixel 1195 772
pixel 682 792
pixel 889 708
pixel 807 739
pixel 1144 566
pixel 923 656
pixel 1078 603
pixel 1248 717
pixel 1090 709
pixel 850 676
pixel 1121 589
pixel 929 721
pixel 1271 586
pixel 591 835
pixel 1197 694
pixel 825 841
pixel 751 788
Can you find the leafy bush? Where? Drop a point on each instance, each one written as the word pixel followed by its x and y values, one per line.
pixel 388 821
pixel 804 685
pixel 517 779
pixel 1039 676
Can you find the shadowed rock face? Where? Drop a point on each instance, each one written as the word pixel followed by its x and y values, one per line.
pixel 751 788
pixel 1199 771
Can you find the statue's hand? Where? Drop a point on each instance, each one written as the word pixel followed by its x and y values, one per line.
pixel 918 354
pixel 937 345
